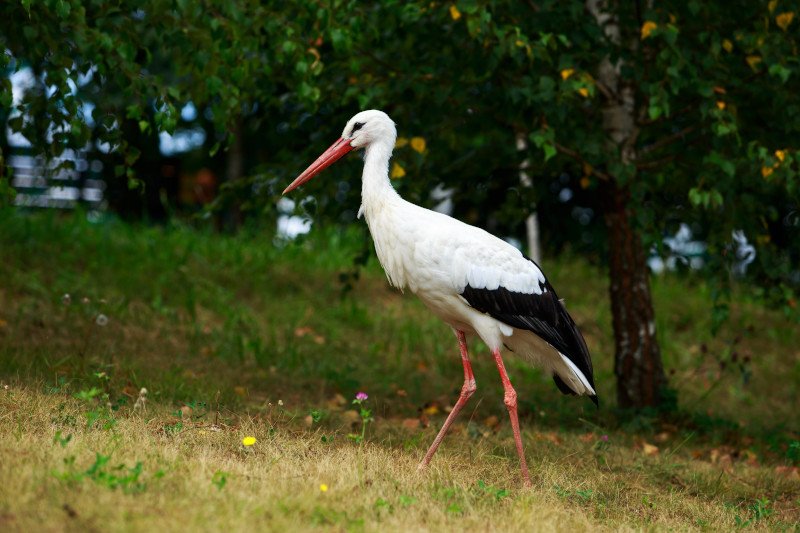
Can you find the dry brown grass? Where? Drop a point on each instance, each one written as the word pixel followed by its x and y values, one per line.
pixel 275 484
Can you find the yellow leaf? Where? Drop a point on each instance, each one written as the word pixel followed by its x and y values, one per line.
pixel 431 410
pixel 418 144
pixel 753 61
pixel 401 141
pixel 721 105
pixel 249 441
pixel 766 171
pixel 397 171
pixel 649 449
pixel 455 13
pixel 520 43
pixel 772 5
pixel 647 29
pixel 784 19
pixel 780 154
pixel 583 91
pixel 566 73
pixel 727 45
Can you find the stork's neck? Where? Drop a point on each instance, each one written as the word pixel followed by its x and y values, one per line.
pixel 376 190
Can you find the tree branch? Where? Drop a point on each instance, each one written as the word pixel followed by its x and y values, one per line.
pixel 577 157
pixel 669 139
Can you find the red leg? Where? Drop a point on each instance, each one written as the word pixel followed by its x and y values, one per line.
pixel 510 399
pixel 467 390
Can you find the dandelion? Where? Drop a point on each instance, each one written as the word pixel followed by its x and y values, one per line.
pixel 249 441
pixel 101 320
pixel 66 299
pixel 361 396
pixel 323 488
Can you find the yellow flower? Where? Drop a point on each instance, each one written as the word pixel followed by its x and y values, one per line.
pixel 766 171
pixel 455 13
pixel 249 441
pixel 566 73
pixel 784 19
pixel 753 61
pixel 583 91
pixel 721 105
pixel 520 43
pixel 397 171
pixel 401 141
pixel 323 488
pixel 418 144
pixel 772 5
pixel 780 154
pixel 727 45
pixel 647 29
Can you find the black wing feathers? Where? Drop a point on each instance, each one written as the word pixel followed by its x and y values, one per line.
pixel 543 314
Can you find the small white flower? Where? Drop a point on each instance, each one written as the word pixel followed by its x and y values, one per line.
pixel 280 402
pixel 85 300
pixel 101 320
pixel 66 299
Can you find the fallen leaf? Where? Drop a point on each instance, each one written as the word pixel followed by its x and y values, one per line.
pixel 649 449
pixel 766 171
pixel 583 91
pixel 186 411
pixel 588 437
pixel 240 391
pixel 431 410
pixel 551 437
pixel 664 436
pixel 411 423
pixel 791 472
pixel 418 144
pixel 351 417
pixel 337 402
pixel 566 73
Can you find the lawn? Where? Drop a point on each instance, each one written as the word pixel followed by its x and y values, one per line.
pixel 242 336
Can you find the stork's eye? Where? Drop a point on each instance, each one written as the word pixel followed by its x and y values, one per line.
pixel 357 126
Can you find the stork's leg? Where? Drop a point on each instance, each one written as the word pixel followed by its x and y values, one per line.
pixel 510 399
pixel 467 390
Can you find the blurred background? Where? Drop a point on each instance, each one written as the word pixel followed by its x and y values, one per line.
pixel 632 148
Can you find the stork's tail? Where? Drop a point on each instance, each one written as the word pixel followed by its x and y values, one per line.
pixel 570 380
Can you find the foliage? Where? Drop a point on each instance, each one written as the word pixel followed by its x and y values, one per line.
pixel 689 107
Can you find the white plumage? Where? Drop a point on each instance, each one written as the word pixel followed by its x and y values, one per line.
pixel 475 282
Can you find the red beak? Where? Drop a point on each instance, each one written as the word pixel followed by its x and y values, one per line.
pixel 329 157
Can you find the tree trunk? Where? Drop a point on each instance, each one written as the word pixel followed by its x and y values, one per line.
pixel 532 221
pixel 637 361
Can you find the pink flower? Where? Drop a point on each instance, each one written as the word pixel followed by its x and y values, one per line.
pixel 361 396
pixel 604 438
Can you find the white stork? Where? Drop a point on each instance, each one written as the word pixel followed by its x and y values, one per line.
pixel 478 284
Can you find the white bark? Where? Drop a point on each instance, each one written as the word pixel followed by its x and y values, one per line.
pixel 532 222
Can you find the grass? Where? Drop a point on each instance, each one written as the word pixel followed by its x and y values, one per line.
pixel 234 336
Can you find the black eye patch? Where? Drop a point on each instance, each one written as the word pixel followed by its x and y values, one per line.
pixel 357 126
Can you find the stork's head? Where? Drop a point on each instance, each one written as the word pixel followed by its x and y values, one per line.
pixel 365 129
